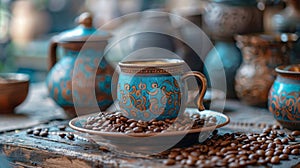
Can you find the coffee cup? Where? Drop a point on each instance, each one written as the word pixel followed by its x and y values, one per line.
pixel 155 89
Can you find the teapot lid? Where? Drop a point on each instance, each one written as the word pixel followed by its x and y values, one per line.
pixel 83 32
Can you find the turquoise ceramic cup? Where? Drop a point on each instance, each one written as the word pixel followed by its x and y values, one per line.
pixel 284 96
pixel 155 89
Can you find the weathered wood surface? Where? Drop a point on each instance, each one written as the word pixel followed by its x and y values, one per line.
pixel 22 150
pixel 36 109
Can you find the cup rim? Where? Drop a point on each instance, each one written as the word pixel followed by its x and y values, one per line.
pixel 286 69
pixel 15 77
pixel 151 63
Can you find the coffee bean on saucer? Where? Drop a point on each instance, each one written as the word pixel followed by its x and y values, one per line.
pixel 117 123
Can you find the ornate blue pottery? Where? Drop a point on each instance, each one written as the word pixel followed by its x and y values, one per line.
pixel 155 89
pixel 230 59
pixel 82 75
pixel 284 96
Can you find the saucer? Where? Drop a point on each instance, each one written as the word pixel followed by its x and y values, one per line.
pixel 151 143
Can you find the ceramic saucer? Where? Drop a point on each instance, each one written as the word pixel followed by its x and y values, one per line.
pixel 153 142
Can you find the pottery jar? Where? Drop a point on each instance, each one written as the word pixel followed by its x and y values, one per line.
pixel 284 96
pixel 262 53
pixel 224 19
pixel 288 21
pixel 82 77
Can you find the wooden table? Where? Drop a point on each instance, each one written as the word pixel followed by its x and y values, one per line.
pixel 19 149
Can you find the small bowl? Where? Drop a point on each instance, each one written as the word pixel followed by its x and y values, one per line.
pixel 13 90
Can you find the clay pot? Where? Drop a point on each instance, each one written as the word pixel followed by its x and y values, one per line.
pixel 262 53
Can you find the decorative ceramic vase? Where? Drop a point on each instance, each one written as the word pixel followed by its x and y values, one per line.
pixel 82 74
pixel 262 53
pixel 155 89
pixel 225 18
pixel 288 21
pixel 284 97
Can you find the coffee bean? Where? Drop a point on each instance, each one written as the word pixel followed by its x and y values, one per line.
pixel 286 151
pixel 29 131
pixel 70 136
pixel 295 152
pixel 268 159
pixel 296 133
pixel 169 162
pixel 271 145
pixel 277 152
pixel 62 127
pixel 269 153
pixel 276 127
pixel 179 157
pixel 191 161
pixel 283 157
pixel 275 160
pixel 137 129
pixel 285 140
pixel 62 135
pixel 43 133
pixel 253 156
pixel 291 138
pixel 277 141
pixel 36 132
pixel 260 152
pixel 267 130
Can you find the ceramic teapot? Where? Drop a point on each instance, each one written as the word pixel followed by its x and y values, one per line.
pixel 82 77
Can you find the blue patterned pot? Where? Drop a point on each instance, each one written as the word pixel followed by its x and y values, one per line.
pixel 284 97
pixel 81 80
pixel 155 89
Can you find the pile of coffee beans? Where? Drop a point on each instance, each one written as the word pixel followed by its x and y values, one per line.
pixel 237 150
pixel 116 122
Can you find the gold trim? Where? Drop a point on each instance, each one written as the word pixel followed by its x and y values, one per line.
pixel 160 66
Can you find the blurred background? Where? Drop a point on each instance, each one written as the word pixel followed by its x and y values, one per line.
pixel 26 26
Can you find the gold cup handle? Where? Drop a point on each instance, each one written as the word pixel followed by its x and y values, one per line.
pixel 202 91
pixel 52 54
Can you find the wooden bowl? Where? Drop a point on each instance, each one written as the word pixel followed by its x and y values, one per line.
pixel 13 90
